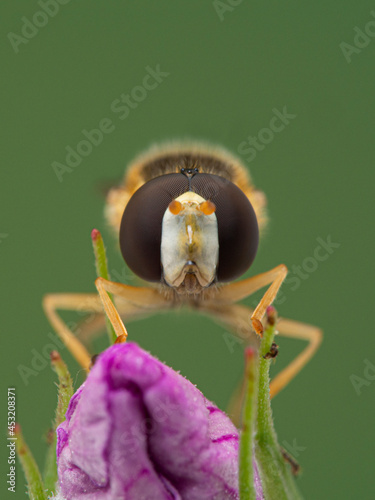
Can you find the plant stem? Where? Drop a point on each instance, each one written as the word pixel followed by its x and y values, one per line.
pixel 102 271
pixel 65 392
pixel 277 480
pixel 34 480
pixel 246 470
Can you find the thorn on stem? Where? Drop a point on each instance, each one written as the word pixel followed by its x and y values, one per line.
pixel 54 356
pixel 21 450
pixel 271 315
pixel 95 235
pixel 50 436
pixel 93 360
pixel 296 468
pixel 249 353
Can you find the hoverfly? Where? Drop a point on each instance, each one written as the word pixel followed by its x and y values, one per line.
pixel 188 218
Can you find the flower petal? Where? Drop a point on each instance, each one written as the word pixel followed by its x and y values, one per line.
pixel 138 430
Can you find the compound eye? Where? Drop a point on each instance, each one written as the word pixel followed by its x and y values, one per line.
pixel 141 224
pixel 237 224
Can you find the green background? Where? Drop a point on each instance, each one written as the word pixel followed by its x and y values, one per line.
pixel 225 78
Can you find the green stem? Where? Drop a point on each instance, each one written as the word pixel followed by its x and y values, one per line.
pixel 65 392
pixel 102 271
pixel 277 480
pixel 65 388
pixel 34 479
pixel 246 468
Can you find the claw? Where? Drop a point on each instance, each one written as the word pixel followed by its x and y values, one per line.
pixel 121 339
pixel 258 327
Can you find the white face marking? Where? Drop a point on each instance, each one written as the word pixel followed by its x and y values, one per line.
pixel 189 237
pixel 190 234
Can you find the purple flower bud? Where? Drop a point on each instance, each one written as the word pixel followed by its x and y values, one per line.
pixel 137 430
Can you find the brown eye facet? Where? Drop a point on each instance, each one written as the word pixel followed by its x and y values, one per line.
pixel 237 224
pixel 141 224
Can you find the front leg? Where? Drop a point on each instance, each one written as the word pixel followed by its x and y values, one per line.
pixel 147 298
pixel 92 304
pixel 242 289
pixel 236 318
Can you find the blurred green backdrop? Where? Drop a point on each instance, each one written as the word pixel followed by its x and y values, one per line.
pixel 228 67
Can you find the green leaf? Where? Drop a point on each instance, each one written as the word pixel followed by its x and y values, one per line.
pixel 34 479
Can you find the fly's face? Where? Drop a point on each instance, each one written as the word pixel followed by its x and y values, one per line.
pixel 189 242
pixel 187 215
pixel 186 223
